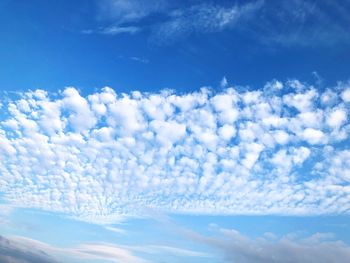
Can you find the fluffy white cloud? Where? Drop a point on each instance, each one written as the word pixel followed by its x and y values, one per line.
pixel 346 95
pixel 227 131
pixel 109 155
pixel 337 117
pixel 313 136
pixel 301 101
pixel 80 117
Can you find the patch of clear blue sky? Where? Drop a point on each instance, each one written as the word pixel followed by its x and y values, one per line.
pixel 42 46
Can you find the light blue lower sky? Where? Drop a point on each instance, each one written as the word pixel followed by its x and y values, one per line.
pixel 169 238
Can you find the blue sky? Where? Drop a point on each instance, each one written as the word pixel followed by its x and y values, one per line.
pixel 162 131
pixel 52 45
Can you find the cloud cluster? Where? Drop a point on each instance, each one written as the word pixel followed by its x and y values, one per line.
pixel 283 149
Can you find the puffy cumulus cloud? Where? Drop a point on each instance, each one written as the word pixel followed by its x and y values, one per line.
pixel 313 136
pixel 337 117
pixel 346 95
pixel 279 150
pixel 236 247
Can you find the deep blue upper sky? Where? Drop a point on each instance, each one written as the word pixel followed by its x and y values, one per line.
pixel 53 44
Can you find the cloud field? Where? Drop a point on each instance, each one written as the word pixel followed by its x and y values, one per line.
pixel 282 149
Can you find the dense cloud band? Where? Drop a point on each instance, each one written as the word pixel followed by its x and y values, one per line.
pixel 279 150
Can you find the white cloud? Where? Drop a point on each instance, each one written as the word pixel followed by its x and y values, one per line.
pixel 300 155
pixel 313 136
pixel 274 85
pixel 301 101
pixel 168 132
pixel 226 132
pixel 115 30
pixel 329 97
pixel 140 59
pixel 80 117
pixel 106 156
pixel 121 11
pixel 337 117
pixel 281 136
pixel 115 230
pixel 224 82
pixel 346 95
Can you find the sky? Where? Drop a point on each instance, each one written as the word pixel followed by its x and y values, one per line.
pixel 174 131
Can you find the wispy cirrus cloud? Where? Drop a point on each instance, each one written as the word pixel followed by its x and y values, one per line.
pixel 175 21
pixel 113 30
pixel 203 18
pixel 302 23
pixel 287 23
pixel 124 11
pixel 140 59
pixel 278 150
pixel 120 16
